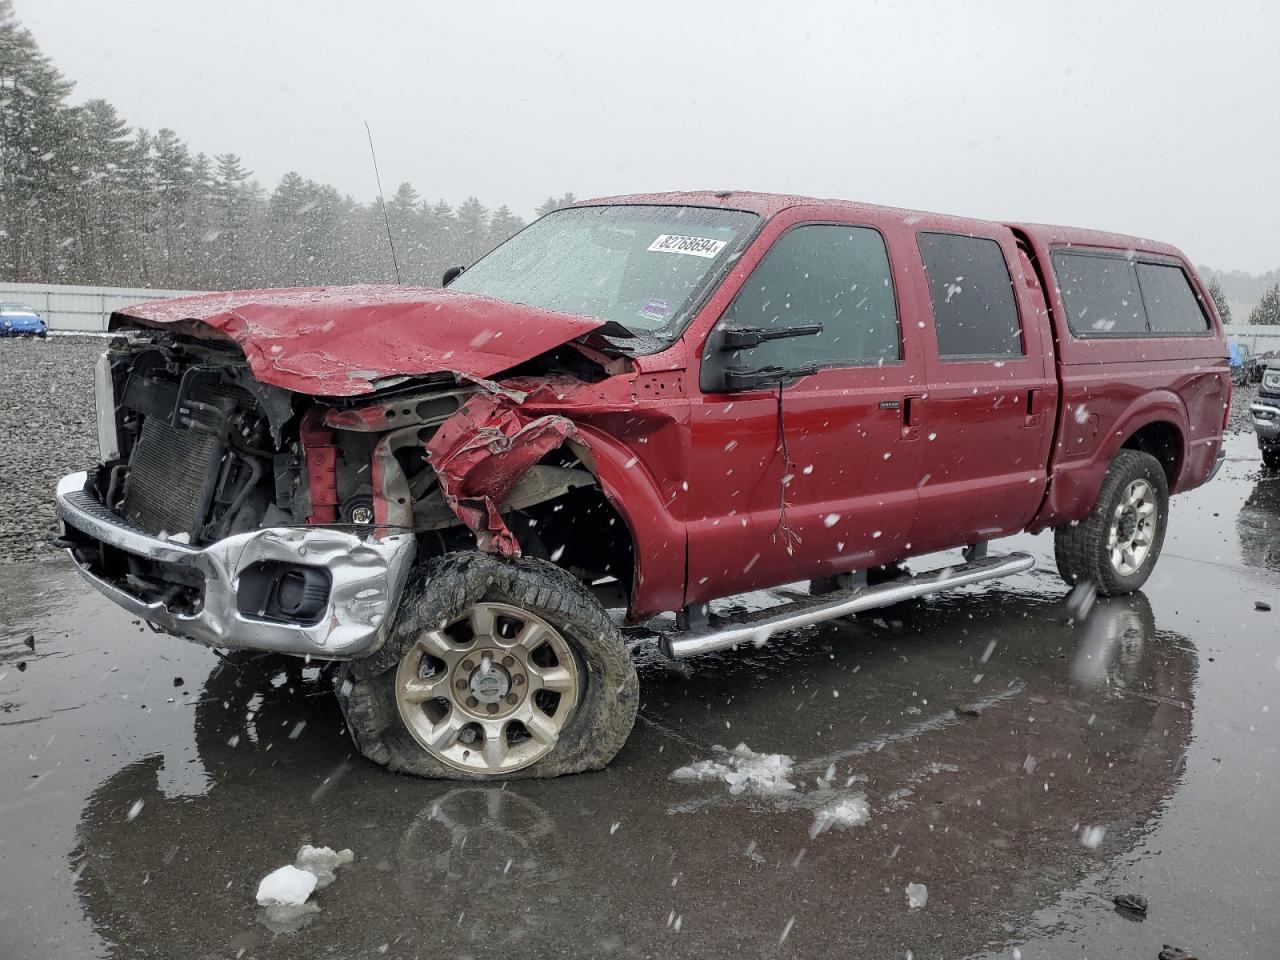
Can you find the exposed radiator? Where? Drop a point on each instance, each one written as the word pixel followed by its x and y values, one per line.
pixel 170 469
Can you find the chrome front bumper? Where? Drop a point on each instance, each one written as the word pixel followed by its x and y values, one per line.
pixel 367 578
pixel 1266 427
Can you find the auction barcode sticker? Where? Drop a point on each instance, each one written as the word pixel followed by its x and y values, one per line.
pixel 694 246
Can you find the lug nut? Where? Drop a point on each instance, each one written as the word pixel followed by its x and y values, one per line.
pixel 518 679
pixel 492 708
pixel 508 661
pixel 460 684
pixel 467 665
pixel 512 698
pixel 472 701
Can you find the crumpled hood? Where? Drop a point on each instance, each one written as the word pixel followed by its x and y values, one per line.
pixel 337 341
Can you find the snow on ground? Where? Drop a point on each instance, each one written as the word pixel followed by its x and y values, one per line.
pixel 284 892
pixel 286 886
pixel 849 811
pixel 744 770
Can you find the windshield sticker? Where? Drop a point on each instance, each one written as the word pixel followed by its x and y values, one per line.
pixel 693 246
pixel 655 308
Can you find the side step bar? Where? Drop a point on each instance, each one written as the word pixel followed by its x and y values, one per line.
pixel 759 627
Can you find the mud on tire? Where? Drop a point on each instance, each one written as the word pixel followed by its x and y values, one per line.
pixel 441 591
pixel 1083 550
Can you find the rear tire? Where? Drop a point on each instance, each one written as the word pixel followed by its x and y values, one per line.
pixel 1117 545
pixel 470 683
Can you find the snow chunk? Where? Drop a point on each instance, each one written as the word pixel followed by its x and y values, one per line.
pixel 314 869
pixel 850 811
pixel 763 774
pixel 917 895
pixel 323 863
pixel 287 886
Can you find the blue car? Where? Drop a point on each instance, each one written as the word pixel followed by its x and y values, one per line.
pixel 19 320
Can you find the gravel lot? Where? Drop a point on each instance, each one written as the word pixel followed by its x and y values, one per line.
pixel 47 429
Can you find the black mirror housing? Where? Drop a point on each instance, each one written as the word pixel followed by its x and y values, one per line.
pixel 722 367
pixel 452 274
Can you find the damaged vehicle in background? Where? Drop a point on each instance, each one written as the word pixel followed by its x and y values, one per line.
pixel 642 403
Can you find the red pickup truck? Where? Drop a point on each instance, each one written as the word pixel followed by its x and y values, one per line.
pixel 641 403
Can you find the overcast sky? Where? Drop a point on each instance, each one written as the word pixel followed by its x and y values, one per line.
pixel 1160 119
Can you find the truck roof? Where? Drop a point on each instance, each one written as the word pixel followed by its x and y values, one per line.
pixel 770 204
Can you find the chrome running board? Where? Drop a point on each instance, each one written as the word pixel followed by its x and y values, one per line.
pixel 757 628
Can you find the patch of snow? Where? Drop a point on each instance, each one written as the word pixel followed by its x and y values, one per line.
pixel 323 862
pixel 1091 836
pixel 849 811
pixel 917 895
pixel 283 893
pixel 287 886
pixel 762 774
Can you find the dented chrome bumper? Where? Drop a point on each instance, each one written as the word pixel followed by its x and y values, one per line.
pixel 366 578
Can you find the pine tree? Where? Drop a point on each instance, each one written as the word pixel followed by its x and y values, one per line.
pixel 503 224
pixel 234 198
pixel 1267 312
pixel 176 194
pixel 1220 300
pixel 472 231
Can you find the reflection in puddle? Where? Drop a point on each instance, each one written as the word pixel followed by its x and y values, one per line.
pixel 892 785
pixel 1111 641
pixel 1258 524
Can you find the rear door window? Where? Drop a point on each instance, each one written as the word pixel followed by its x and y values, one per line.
pixel 974 311
pixel 1172 306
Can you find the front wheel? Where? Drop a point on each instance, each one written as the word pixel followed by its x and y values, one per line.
pixel 1117 545
pixel 495 670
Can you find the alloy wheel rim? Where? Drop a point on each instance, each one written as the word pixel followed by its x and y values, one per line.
pixel 1134 523
pixel 490 692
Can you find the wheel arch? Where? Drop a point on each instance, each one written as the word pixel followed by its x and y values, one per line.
pixel 1155 422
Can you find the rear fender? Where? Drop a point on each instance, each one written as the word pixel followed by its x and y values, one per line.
pixel 1074 486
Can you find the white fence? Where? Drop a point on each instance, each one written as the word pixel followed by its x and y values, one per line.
pixel 1256 338
pixel 80 309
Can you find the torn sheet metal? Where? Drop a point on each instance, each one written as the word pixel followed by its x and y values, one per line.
pixel 344 341
pixel 480 454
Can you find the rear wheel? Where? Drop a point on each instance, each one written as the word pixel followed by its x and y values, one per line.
pixel 1117 545
pixel 495 669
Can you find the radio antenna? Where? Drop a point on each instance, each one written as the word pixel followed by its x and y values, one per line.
pixel 382 200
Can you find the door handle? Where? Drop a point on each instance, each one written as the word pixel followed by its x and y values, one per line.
pixel 1035 407
pixel 911 416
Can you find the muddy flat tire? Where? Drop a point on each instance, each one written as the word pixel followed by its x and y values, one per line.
pixel 1087 550
pixel 442 591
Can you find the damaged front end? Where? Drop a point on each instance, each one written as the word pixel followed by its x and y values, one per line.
pixel 241 514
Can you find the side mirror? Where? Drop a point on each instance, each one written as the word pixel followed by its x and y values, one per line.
pixel 723 369
pixel 452 274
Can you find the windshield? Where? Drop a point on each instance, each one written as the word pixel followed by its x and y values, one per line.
pixel 640 266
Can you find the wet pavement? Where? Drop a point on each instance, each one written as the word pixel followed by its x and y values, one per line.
pixel 150 785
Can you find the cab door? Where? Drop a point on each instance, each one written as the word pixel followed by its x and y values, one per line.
pixel 988 416
pixel 814 474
